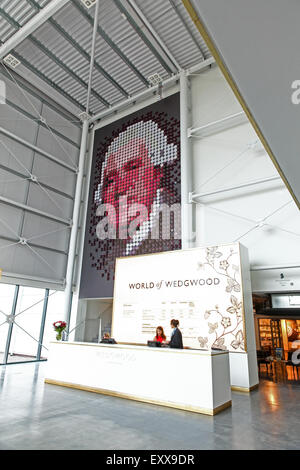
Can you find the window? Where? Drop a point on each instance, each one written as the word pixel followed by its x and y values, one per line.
pixel 27 315
pixel 27 324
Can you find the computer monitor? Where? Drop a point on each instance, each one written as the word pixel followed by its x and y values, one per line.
pixel 108 341
pixel 154 344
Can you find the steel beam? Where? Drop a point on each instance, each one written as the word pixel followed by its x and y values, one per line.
pixel 37 149
pixel 152 90
pixel 33 210
pixel 223 124
pixel 76 212
pixel 239 186
pixel 34 245
pixel 39 183
pixel 33 24
pixel 186 164
pixel 79 183
pixel 210 62
pixel 83 215
pixel 266 268
pixel 27 280
pixel 92 60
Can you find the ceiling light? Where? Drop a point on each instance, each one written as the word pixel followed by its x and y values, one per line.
pixel 84 116
pixel 155 79
pixel 88 3
pixel 12 61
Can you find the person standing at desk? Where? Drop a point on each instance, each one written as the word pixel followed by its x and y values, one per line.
pixel 176 336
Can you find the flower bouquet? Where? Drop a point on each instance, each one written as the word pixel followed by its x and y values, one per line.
pixel 59 327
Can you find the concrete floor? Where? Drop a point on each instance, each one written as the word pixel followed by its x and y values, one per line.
pixel 34 415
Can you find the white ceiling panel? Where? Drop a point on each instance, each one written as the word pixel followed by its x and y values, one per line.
pixel 48 233
pixel 57 146
pixel 49 202
pixel 10 223
pixel 17 123
pixel 66 127
pixel 12 186
pixel 40 263
pixel 14 156
pixel 54 175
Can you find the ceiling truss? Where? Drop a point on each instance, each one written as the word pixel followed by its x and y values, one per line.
pixel 136 21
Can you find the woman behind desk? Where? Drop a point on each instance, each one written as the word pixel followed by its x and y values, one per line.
pixel 107 339
pixel 176 336
pixel 160 335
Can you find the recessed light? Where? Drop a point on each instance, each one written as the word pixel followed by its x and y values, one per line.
pixel 88 3
pixel 11 60
pixel 84 116
pixel 155 79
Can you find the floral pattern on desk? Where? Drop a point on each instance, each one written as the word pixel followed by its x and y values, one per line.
pixel 225 326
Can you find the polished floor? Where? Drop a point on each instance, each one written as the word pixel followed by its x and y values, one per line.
pixel 35 415
pixel 13 358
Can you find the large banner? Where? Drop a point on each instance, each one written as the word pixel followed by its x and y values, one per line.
pixel 134 200
pixel 206 289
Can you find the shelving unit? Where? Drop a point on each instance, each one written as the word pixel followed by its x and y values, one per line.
pixel 270 333
pixel 276 334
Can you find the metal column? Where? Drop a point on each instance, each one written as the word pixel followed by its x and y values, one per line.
pixel 80 175
pixel 186 163
pixel 75 222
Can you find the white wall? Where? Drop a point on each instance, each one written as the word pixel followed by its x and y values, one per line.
pixel 229 158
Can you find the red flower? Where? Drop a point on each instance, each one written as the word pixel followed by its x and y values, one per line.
pixel 59 325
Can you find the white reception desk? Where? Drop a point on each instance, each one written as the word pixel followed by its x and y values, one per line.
pixel 191 380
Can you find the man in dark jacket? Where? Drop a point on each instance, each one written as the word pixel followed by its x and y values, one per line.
pixel 176 336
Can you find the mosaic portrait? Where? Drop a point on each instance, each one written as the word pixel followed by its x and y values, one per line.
pixel 134 201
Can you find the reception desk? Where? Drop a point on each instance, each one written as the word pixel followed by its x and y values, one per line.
pixel 190 380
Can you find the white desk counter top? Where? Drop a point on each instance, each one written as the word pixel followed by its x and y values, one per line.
pixel 130 346
pixel 189 379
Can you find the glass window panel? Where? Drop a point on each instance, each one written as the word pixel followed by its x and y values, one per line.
pixel 27 324
pixel 54 313
pixel 7 292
